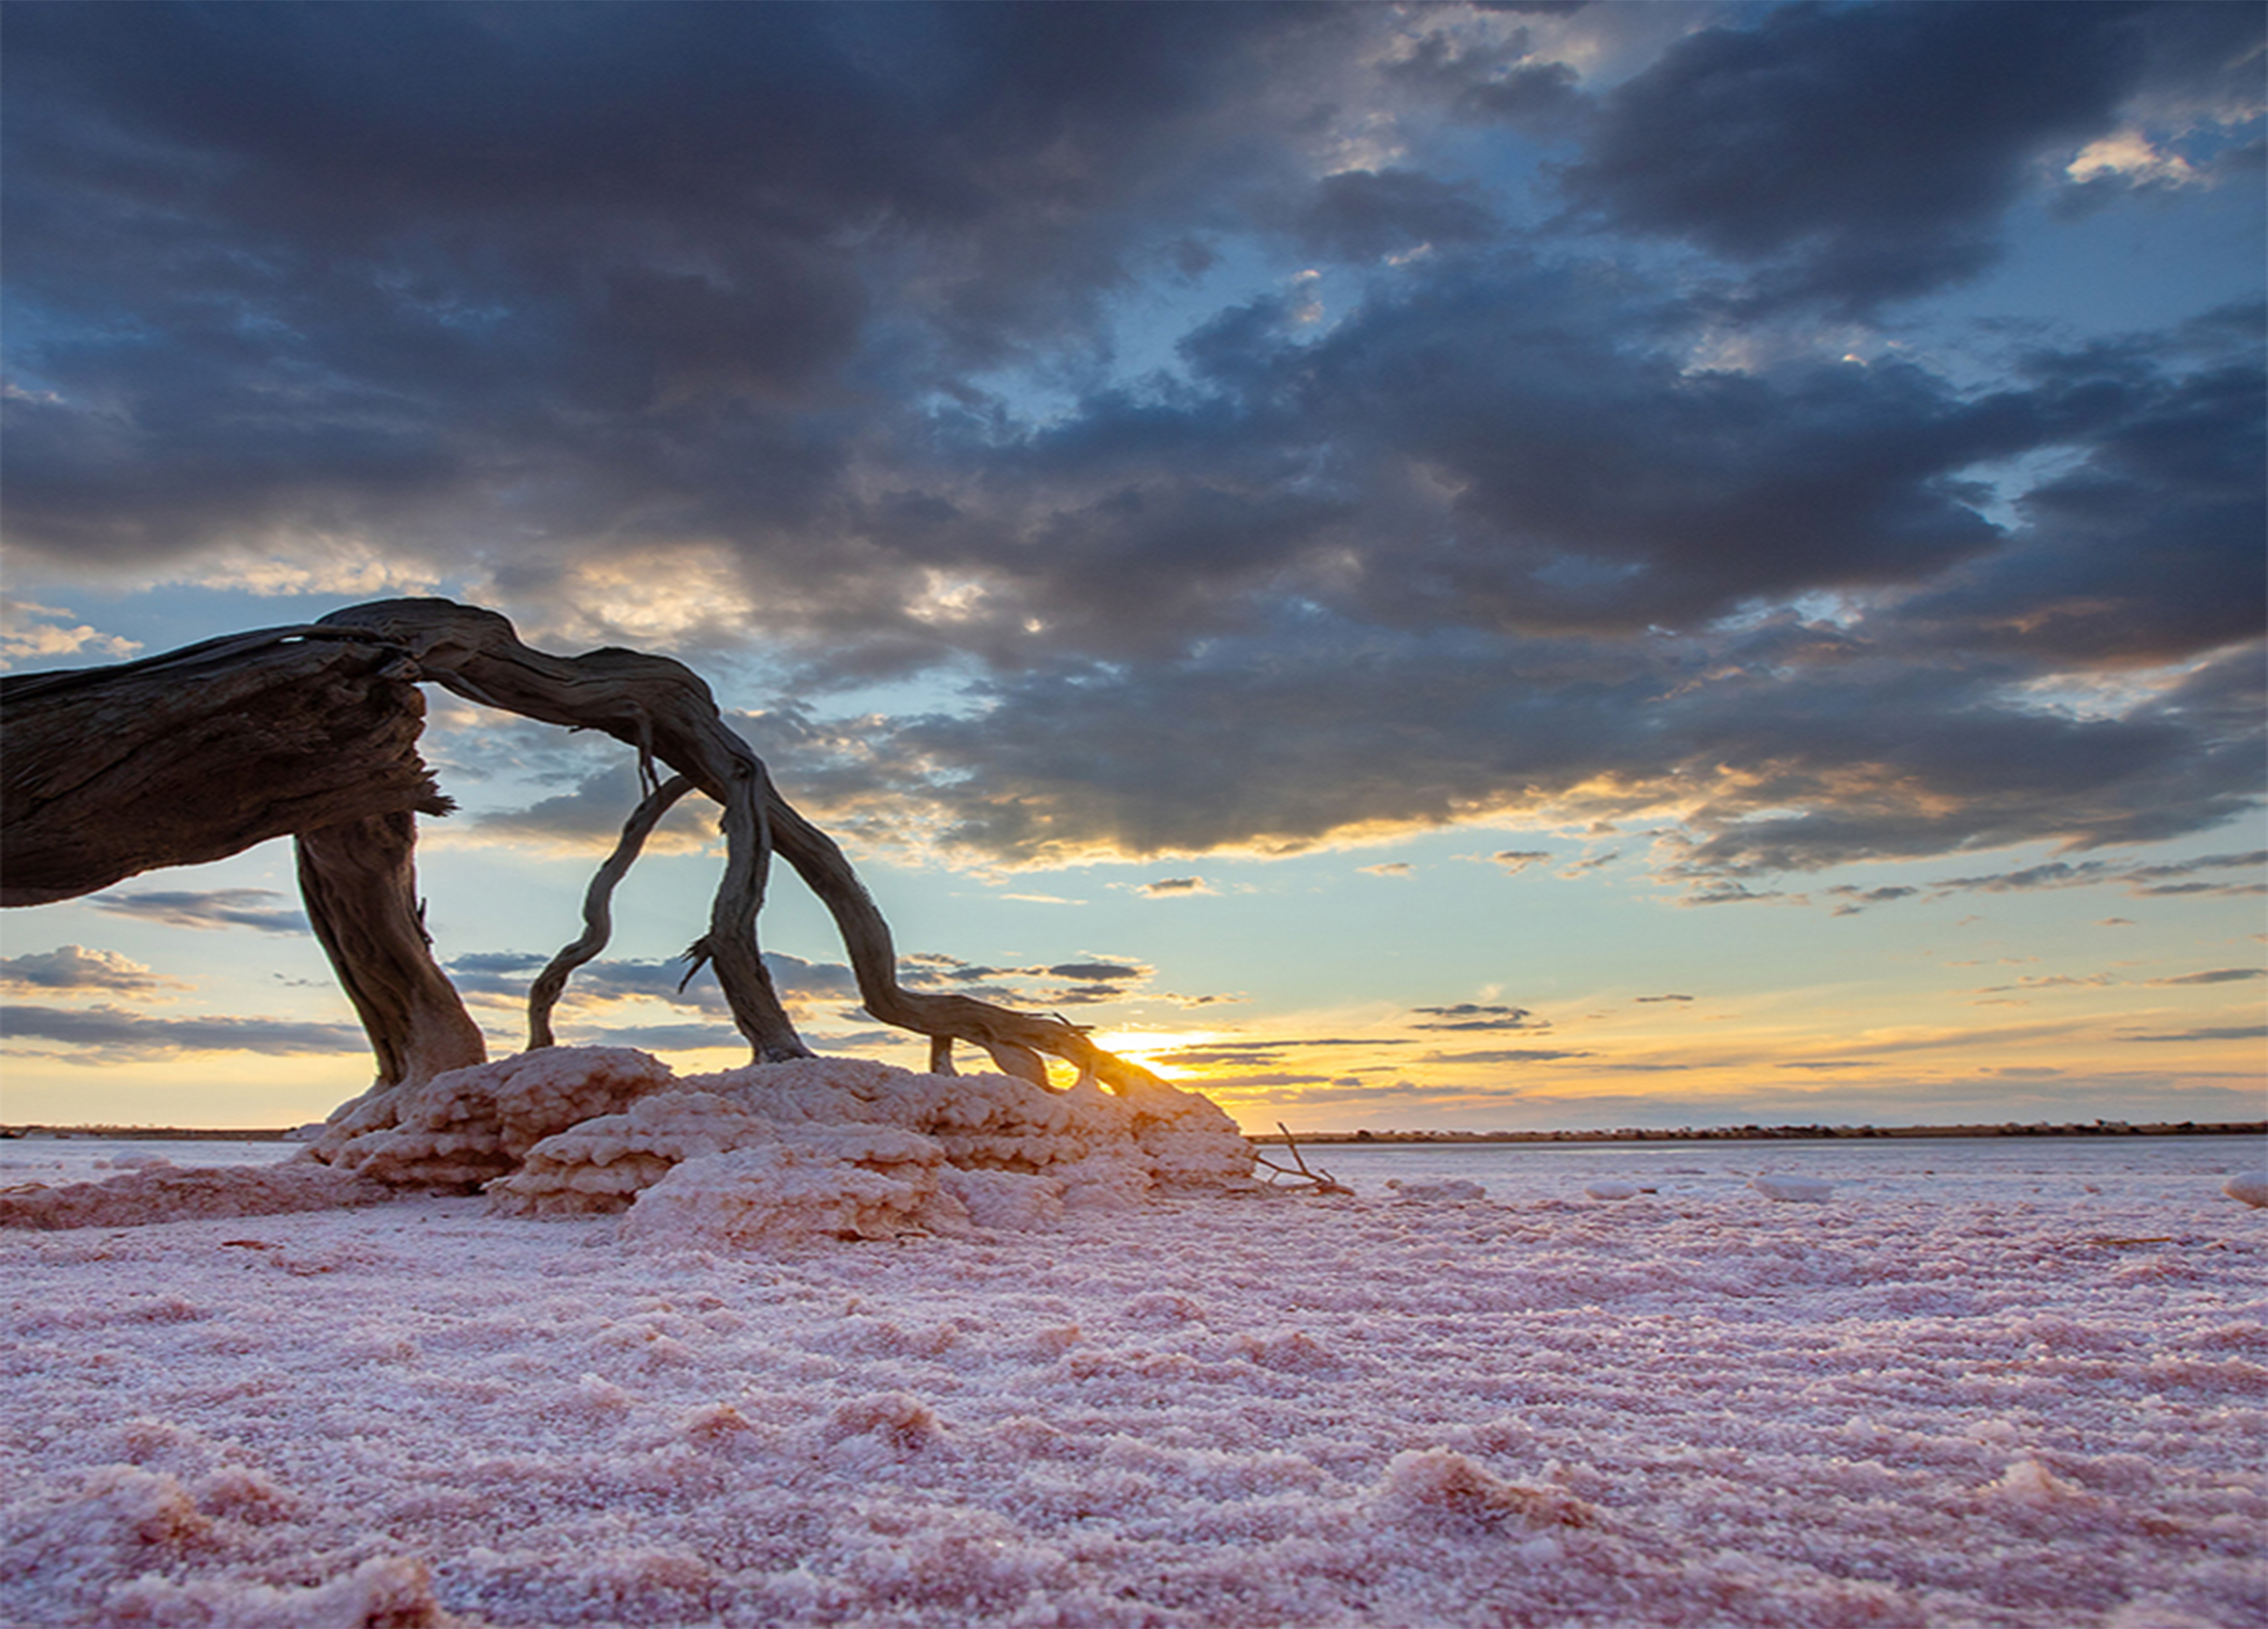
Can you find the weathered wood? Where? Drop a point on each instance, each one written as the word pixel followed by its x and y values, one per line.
pixel 177 760
pixel 599 908
pixel 359 879
pixel 665 711
pixel 1014 1041
pixel 658 706
pixel 202 752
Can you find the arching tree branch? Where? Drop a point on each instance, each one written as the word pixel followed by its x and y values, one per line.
pixel 202 752
pixel 597 908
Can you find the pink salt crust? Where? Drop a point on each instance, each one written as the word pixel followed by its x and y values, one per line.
pixel 1194 1408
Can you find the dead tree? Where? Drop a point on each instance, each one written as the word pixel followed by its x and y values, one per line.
pixel 312 730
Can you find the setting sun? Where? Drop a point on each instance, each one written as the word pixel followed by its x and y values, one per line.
pixel 1143 1046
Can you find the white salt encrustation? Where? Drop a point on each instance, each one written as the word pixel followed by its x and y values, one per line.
pixel 162 1192
pixel 822 1147
pixel 817 1147
pixel 1964 1404
pixel 2251 1188
pixel 469 1126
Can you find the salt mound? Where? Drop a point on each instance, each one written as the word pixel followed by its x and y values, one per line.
pixel 468 1126
pixel 2249 1189
pixel 163 1192
pixel 783 1191
pixel 603 1163
pixel 1608 1188
pixel 822 1147
pixel 1442 1488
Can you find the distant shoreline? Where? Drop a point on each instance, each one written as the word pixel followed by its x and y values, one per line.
pixel 1768 1133
pixel 1427 1139
pixel 151 1133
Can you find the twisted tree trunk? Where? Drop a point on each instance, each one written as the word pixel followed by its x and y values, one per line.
pixel 312 730
pixel 360 886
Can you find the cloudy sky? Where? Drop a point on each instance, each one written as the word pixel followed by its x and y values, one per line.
pixel 1458 566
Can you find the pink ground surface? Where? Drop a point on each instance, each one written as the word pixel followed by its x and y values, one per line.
pixel 2038 1406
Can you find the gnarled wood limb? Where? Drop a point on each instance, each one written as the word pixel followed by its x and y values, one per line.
pixel 200 753
pixel 1013 1040
pixel 658 706
pixel 664 710
pixel 359 879
pixel 597 908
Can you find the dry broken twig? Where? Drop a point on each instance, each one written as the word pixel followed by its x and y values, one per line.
pixel 1321 1181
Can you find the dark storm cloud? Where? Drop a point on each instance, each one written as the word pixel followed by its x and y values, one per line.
pixel 515 289
pixel 110 1033
pixel 592 816
pixel 386 260
pixel 216 907
pixel 2180 466
pixel 1279 742
pixel 1577 471
pixel 1363 214
pixel 1862 154
pixel 1498 82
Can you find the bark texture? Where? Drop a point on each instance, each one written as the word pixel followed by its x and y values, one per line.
pixel 359 879
pixel 200 753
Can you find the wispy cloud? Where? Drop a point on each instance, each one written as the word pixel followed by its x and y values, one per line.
pixel 2206 1032
pixel 212 908
pixel 74 967
pixel 1517 1055
pixel 1472 1015
pixel 42 632
pixel 2214 976
pixel 2183 876
pixel 1514 861
pixel 105 1035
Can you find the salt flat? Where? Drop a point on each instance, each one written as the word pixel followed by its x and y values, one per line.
pixel 1980 1396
